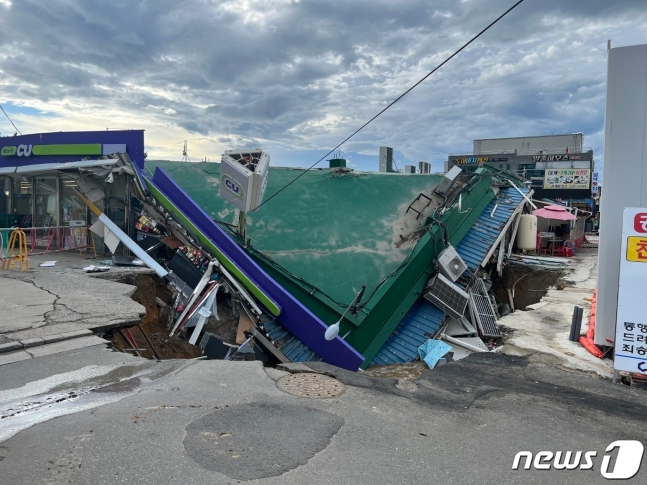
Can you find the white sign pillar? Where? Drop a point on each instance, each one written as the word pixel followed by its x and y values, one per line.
pixel 624 172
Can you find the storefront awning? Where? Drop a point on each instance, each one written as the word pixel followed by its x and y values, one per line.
pixel 49 167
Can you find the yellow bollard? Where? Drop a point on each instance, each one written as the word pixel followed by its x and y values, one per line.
pixel 17 235
pixel 88 245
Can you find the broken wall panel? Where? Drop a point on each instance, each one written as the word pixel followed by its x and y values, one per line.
pixel 292 314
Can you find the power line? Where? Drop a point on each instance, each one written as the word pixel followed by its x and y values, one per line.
pixel 394 101
pixel 5 113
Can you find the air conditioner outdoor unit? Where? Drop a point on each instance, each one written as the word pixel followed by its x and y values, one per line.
pixel 450 264
pixel 446 296
pixel 447 181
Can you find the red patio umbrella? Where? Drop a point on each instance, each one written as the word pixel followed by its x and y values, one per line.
pixel 557 212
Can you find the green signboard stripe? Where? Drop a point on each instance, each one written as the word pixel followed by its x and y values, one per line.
pixel 226 262
pixel 70 149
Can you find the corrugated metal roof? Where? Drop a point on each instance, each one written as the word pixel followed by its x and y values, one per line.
pixel 286 342
pixel 422 319
pixel 483 234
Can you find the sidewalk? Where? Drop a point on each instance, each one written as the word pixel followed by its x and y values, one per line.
pixel 59 303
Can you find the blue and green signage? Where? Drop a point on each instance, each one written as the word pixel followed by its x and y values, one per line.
pixel 24 150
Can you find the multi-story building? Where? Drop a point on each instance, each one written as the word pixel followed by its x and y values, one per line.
pixel 555 166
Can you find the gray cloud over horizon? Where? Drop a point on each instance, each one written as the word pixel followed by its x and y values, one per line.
pixel 302 75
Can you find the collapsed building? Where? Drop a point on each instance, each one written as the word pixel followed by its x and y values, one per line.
pixel 352 268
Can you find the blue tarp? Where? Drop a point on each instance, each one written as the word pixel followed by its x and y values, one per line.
pixel 432 351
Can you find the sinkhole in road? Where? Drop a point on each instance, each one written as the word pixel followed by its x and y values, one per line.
pixel 156 297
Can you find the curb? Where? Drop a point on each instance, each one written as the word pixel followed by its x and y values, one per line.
pixel 37 341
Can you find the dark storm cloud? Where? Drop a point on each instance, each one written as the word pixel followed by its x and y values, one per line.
pixel 307 73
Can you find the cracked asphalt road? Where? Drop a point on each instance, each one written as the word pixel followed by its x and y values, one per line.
pixel 61 300
pixel 464 424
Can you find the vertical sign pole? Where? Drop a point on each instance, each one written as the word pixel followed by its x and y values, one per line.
pixel 242 222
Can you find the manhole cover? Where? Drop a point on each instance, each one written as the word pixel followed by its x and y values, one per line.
pixel 311 385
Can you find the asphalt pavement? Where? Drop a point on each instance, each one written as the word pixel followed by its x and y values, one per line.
pixel 135 421
pixel 62 302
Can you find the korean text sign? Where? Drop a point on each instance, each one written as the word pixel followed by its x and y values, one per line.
pixel 631 323
pixel 572 178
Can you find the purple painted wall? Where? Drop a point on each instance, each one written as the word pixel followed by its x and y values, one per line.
pixel 294 316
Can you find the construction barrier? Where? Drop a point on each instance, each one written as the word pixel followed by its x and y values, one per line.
pixel 19 238
pixel 43 240
pixel 587 340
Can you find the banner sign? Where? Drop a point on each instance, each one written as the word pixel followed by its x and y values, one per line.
pixel 567 178
pixel 594 182
pixel 465 160
pixel 631 323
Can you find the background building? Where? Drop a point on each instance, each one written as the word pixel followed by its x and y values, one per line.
pixel 386 159
pixel 424 167
pixel 555 166
pixel 530 144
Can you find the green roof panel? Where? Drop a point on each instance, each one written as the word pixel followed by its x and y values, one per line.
pixel 337 230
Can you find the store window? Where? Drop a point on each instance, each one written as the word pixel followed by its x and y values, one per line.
pixel 22 198
pixel 46 202
pixel 7 220
pixel 115 202
pixel 5 194
pixel 73 209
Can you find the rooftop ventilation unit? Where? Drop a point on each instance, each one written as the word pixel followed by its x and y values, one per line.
pixel 446 296
pixel 447 181
pixel 450 264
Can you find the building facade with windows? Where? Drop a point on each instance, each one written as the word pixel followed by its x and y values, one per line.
pixel 41 174
pixel 554 166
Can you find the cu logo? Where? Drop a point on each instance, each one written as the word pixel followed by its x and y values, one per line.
pixel 640 222
pixel 25 151
pixel 232 186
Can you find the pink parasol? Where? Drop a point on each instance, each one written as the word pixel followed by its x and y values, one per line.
pixel 557 212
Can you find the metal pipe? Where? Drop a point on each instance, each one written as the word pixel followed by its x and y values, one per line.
pixel 460 343
pixel 157 356
pixel 511 298
pixel 523 195
pixel 515 283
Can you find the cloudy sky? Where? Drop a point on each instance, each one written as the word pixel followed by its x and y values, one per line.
pixel 297 76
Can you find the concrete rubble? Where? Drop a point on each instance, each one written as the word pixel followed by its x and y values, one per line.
pixel 54 304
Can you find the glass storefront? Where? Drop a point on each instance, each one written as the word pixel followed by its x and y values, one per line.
pixel 56 217
pixel 73 209
pixel 46 198
pixel 22 201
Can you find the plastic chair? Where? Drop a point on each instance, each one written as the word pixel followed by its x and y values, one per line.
pixel 564 251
